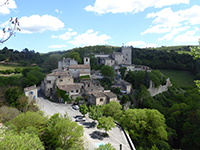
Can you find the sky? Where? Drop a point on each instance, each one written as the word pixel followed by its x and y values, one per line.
pixel 54 25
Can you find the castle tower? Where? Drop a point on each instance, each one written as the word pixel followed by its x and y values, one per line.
pixel 86 60
pixel 127 54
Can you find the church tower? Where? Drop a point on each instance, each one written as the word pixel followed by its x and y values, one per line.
pixel 86 60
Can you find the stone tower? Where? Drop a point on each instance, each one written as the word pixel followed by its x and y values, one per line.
pixel 127 54
pixel 86 60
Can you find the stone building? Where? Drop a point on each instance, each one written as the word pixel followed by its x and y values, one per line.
pixel 76 69
pixel 31 92
pixel 53 79
pixel 124 86
pixel 73 90
pixel 127 54
pixel 101 98
pixel 116 58
pixel 66 62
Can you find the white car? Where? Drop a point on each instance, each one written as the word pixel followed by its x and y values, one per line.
pixel 80 119
pixel 75 107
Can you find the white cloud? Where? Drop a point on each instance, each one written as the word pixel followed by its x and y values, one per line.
pixel 57 46
pixel 56 10
pixel 131 6
pixel 36 23
pixel 174 31
pixel 166 19
pixel 66 35
pixel 157 29
pixel 90 38
pixel 189 36
pixel 5 9
pixel 135 43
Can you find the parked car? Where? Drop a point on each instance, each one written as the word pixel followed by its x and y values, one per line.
pixel 80 119
pixel 76 107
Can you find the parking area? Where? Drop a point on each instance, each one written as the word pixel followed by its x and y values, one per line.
pixel 92 135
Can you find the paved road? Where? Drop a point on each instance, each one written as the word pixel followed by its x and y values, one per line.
pixel 91 134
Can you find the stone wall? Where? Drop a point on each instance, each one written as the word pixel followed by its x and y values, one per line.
pixel 162 88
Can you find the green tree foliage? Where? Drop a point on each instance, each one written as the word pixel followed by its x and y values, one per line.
pixel 145 126
pixel 32 76
pixel 63 133
pixel 124 99
pixel 143 92
pixel 113 109
pixel 135 78
pixel 36 120
pixel 62 94
pixel 76 56
pixel 12 95
pixel 107 71
pixel 146 80
pixel 122 71
pixel 8 113
pixel 106 123
pixel 95 112
pixel 105 147
pixel 22 141
pixel 83 109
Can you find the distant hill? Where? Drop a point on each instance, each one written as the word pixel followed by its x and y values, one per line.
pixel 165 57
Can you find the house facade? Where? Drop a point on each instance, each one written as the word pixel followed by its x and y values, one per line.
pixel 31 92
pixel 101 98
pixel 53 79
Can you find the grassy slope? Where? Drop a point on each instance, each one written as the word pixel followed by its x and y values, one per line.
pixel 5 67
pixel 179 78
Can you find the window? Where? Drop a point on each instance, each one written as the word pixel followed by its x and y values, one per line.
pixel 74 69
pixel 72 91
pixel 76 91
pixel 61 80
pixel 58 76
pixel 49 81
pixel 101 100
pixel 126 54
pixel 86 60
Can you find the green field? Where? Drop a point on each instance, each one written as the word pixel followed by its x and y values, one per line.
pixel 179 78
pixel 12 67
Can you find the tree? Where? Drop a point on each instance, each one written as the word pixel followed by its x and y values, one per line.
pixel 63 133
pixel 35 120
pixel 21 141
pixel 95 112
pixel 113 109
pixel 76 56
pixel 145 126
pixel 124 99
pixel 107 71
pixel 122 71
pixel 195 52
pixel 10 30
pixel 12 95
pixel 106 123
pixel 8 113
pixel 105 147
pixel 83 109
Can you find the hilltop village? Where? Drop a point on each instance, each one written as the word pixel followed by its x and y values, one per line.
pixel 78 80
pixel 97 86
